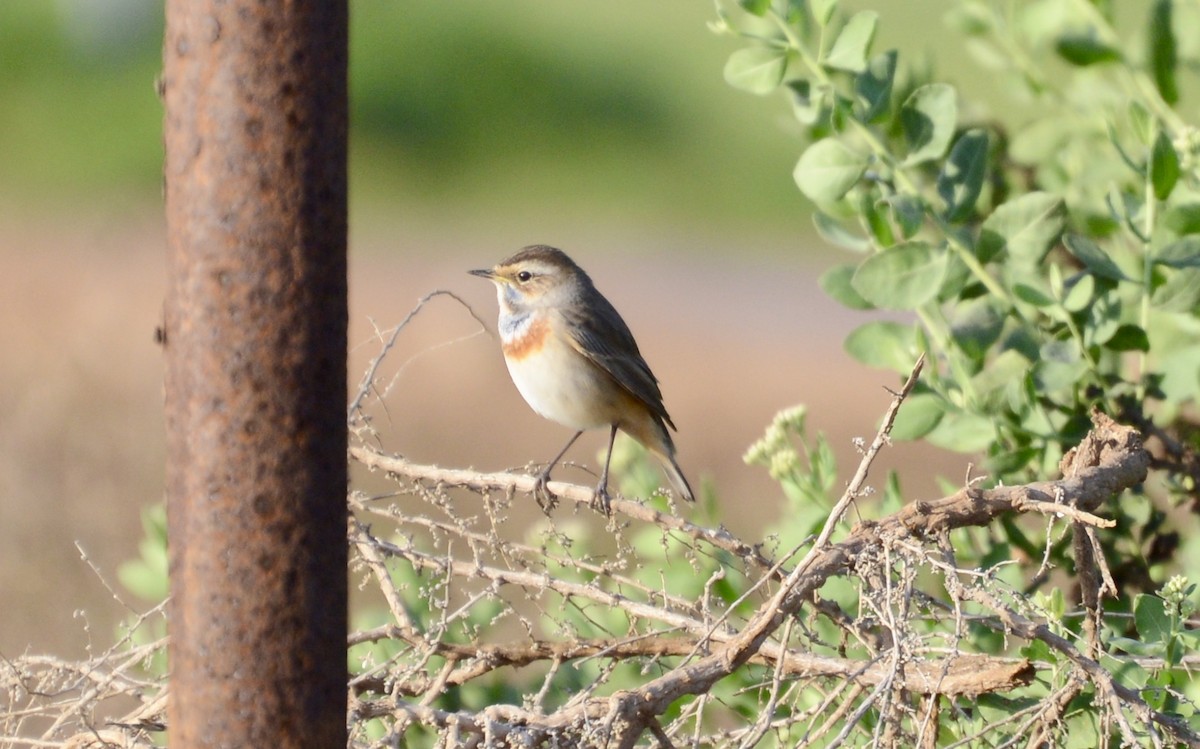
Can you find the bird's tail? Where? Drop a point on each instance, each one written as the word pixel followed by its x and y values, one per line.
pixel 653 434
pixel 676 477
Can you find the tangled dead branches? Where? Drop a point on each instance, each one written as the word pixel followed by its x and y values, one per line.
pixel 600 649
pixel 665 632
pixel 116 698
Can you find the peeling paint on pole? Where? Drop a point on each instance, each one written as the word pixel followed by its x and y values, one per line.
pixel 255 344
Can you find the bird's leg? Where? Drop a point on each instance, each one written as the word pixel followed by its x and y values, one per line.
pixel 541 490
pixel 600 498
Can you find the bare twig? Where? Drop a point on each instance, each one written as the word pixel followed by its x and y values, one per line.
pixel 1110 460
pixel 901 657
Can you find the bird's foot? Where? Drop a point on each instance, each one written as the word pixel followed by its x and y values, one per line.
pixel 600 500
pixel 542 494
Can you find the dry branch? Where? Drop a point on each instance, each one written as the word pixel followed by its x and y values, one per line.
pixel 462 555
pixel 953 676
pixel 703 650
pixel 520 483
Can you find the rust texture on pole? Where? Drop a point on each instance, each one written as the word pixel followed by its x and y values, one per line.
pixel 255 385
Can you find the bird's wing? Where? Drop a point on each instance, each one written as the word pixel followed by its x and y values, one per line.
pixel 604 338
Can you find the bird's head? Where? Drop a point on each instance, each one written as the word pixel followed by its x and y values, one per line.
pixel 537 276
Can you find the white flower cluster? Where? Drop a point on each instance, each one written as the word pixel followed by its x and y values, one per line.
pixel 775 449
pixel 1187 146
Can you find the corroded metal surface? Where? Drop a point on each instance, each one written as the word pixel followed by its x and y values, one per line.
pixel 255 344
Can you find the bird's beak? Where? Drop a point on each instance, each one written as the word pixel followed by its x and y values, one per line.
pixel 483 273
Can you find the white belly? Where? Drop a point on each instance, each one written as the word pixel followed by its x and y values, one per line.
pixel 562 386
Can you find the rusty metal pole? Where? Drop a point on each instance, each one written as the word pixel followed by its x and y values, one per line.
pixel 255 346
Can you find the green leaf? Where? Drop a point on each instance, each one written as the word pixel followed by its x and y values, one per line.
pixel 1094 259
pixel 873 214
pixel 1190 638
pixel 901 277
pixel 755 7
pixel 1038 651
pixel 884 345
pixel 873 86
pixel 963 433
pixel 832 231
pixel 1114 138
pixel 822 10
pixel 918 416
pixel 908 212
pixel 1054 275
pixel 975 326
pixel 836 283
pixel 1150 614
pixel 1032 295
pixel 827 170
pixel 1183 253
pixel 1026 340
pixel 1181 292
pixel 1103 320
pixel 1126 671
pixel 992 383
pixel 972 18
pixel 1085 49
pixel 958 276
pixel 1179 368
pixel 1052 602
pixel 1079 294
pixel 849 51
pixel 1079 731
pixel 961 178
pixel 147 576
pixel 805 108
pixel 929 117
pixel 145 579
pixel 1128 338
pixel 1060 366
pixel 758 70
pixel 1025 226
pixel 1164 166
pixel 1183 218
pixel 1143 122
pixel 1162 53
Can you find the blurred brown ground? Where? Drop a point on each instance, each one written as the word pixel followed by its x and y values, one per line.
pixel 733 339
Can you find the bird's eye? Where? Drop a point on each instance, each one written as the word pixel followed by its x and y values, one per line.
pixel 524 276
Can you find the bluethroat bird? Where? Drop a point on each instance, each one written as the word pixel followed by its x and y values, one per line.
pixel 574 361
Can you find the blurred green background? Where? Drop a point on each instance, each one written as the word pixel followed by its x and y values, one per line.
pixel 605 127
pixel 483 112
pixel 480 112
